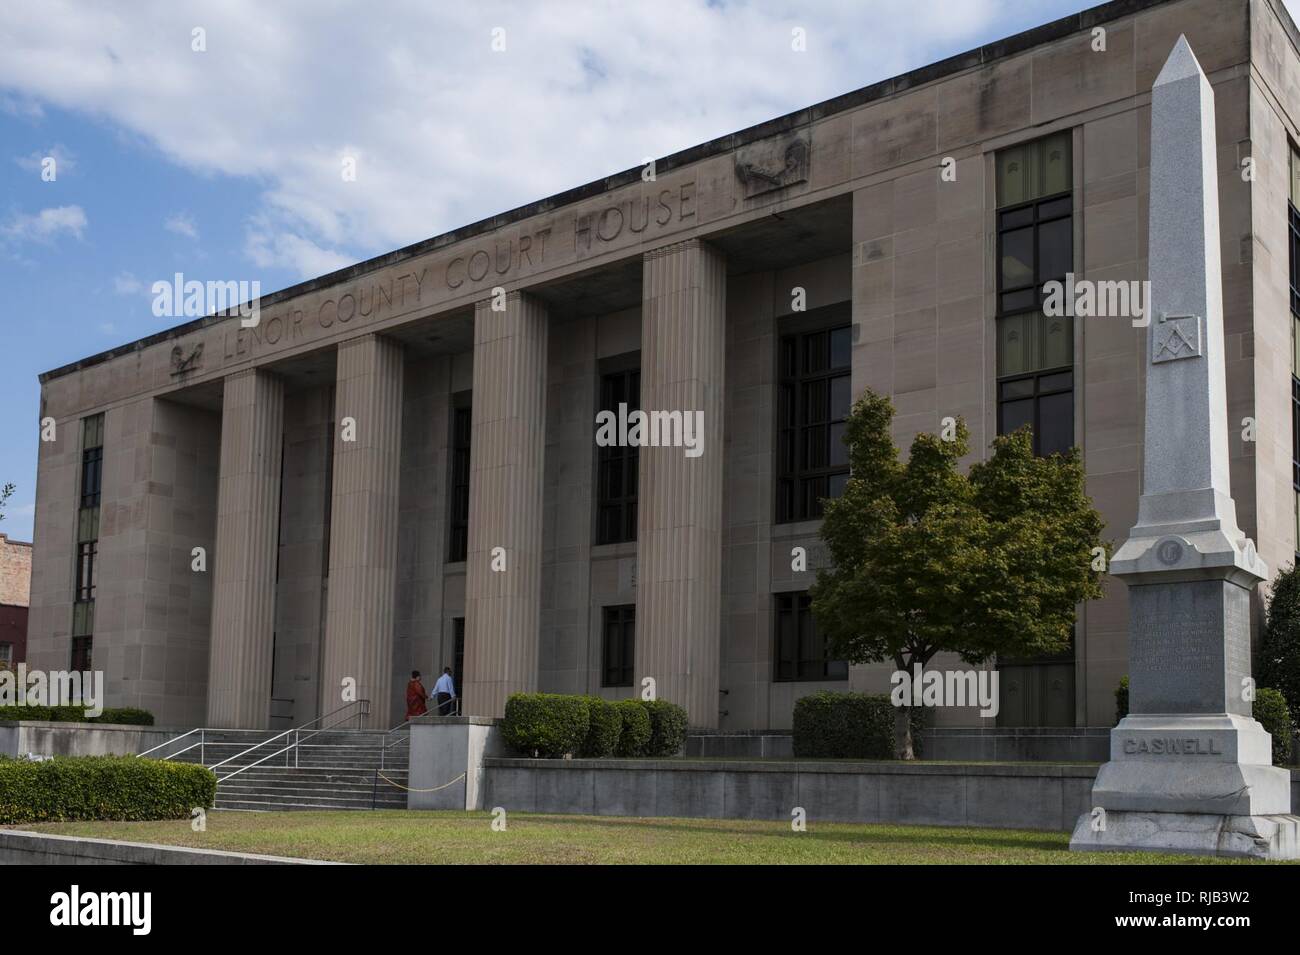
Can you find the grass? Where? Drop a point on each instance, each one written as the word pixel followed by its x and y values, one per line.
pixel 402 836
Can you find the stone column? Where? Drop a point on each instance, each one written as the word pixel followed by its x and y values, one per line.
pixel 679 519
pixel 363 529
pixel 248 518
pixel 503 585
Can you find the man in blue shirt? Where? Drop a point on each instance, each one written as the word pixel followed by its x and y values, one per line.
pixel 444 692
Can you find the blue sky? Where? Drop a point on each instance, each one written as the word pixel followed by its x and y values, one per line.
pixel 224 163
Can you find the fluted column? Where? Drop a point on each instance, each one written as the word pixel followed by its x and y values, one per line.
pixel 359 615
pixel 503 586
pixel 248 519
pixel 679 511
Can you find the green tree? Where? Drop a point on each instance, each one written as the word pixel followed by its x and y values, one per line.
pixel 925 559
pixel 6 492
pixel 1279 651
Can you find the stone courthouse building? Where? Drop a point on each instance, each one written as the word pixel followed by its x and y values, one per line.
pixel 387 473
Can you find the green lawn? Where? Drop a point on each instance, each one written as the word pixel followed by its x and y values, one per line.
pixel 458 837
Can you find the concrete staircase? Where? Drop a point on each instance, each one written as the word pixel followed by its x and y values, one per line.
pixel 330 769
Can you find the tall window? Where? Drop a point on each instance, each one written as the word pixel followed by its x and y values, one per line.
pixel 86 553
pixel 1035 246
pixel 616 466
pixel 813 399
pixel 458 654
pixel 6 655
pixel 461 423
pixel 800 649
pixel 618 644
pixel 83 607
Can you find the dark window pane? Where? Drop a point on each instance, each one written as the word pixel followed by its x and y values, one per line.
pixel 839 454
pixel 841 397
pixel 1056 382
pixel 841 348
pixel 816 354
pixel 816 453
pixel 816 402
pixel 1013 414
pixel 1017 259
pixel 1019 388
pixel 1056 423
pixel 837 483
pixel 1016 217
pixel 1056 207
pixel 1055 250
pixel 1017 301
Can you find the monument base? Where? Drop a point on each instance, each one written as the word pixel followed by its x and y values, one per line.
pixel 1205 834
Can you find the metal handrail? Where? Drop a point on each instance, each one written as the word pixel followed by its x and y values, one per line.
pixel 176 739
pixel 363 711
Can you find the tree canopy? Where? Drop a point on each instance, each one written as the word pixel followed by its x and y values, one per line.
pixel 926 559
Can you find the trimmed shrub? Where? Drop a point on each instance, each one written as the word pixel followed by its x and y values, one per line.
pixel 76 714
pixel 848 726
pixel 127 788
pixel 1121 699
pixel 634 738
pixel 546 725
pixel 604 727
pixel 1271 710
pixel 667 728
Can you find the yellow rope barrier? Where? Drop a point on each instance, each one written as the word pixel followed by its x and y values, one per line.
pixel 410 790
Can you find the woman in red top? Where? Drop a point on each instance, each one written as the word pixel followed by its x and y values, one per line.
pixel 416 697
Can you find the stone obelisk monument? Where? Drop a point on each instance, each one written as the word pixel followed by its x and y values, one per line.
pixel 1190 769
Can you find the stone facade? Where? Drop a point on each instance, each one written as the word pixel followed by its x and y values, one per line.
pixel 344 562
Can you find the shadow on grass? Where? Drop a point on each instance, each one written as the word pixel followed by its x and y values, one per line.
pixel 845 832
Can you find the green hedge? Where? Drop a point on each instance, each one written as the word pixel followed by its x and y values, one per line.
pixel 848 726
pixel 635 737
pixel 76 714
pixel 667 728
pixel 604 727
pixel 546 725
pixel 123 788
pixel 552 725
pixel 1271 710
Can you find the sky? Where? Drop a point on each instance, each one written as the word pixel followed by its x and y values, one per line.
pixel 211 138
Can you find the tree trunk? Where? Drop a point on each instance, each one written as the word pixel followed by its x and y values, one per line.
pixel 903 733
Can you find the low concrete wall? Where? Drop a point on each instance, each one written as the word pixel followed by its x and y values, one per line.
pixel 19 847
pixel 1084 744
pixel 996 744
pixel 80 739
pixel 446 762
pixel 1025 796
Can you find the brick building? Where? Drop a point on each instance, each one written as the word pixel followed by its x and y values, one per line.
pixel 15 590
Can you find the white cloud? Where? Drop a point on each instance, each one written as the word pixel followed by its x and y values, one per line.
pixel 444 130
pixel 46 225
pixel 64 161
pixel 182 224
pixel 125 283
